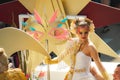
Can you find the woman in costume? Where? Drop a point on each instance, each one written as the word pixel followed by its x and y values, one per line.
pixel 81 51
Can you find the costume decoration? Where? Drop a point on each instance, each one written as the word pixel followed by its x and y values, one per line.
pixel 36 34
pixel 59 33
pixel 53 18
pixel 62 22
pixel 37 17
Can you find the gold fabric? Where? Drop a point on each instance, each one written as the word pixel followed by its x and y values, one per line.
pixel 13 74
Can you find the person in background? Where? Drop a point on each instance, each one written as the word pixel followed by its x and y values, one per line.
pixel 10 65
pixel 81 51
pixel 3 61
pixel 5 72
pixel 116 75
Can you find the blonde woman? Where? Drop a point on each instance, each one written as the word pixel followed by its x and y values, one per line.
pixel 81 50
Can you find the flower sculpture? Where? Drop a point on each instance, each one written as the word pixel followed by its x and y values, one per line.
pixel 57 32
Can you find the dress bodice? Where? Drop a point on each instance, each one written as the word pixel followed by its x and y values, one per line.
pixel 82 61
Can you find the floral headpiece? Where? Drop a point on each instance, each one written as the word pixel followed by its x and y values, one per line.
pixel 82 22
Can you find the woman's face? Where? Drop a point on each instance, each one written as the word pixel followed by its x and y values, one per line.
pixel 82 33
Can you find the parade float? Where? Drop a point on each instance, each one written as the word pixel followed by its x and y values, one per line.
pixel 35 35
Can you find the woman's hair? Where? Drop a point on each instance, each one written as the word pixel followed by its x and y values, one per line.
pixel 81 22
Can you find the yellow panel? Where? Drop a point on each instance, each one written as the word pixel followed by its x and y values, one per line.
pixel 31 62
pixel 102 46
pixel 73 7
pixel 44 8
pixel 70 6
pixel 13 40
pixel 29 4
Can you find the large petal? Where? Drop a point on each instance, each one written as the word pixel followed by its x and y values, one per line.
pixel 13 40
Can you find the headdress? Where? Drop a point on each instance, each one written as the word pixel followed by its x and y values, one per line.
pixel 82 22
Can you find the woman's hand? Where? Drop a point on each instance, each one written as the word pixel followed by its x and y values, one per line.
pixel 47 60
pixel 50 61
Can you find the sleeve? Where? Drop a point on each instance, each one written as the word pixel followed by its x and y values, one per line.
pixel 68 50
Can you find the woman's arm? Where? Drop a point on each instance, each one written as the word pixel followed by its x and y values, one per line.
pixel 95 56
pixel 95 73
pixel 67 51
